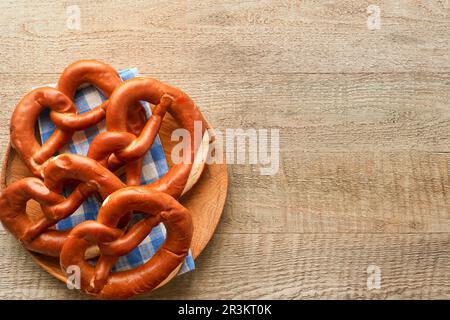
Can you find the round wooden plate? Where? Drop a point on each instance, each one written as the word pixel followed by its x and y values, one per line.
pixel 205 200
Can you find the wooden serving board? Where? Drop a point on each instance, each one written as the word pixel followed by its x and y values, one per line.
pixel 205 200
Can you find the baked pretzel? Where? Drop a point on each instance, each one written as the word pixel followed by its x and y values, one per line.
pixel 105 78
pixel 113 242
pixel 64 113
pixel 127 139
pixel 23 122
pixel 34 234
pixel 125 148
pixel 107 143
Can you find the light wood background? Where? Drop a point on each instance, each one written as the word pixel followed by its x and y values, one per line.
pixel 364 119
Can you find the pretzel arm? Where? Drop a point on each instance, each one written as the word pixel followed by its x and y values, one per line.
pixel 137 148
pixel 132 238
pixel 82 121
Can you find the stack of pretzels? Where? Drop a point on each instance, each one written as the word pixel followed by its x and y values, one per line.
pixel 127 138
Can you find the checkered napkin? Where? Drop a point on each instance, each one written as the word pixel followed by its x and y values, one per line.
pixel 155 166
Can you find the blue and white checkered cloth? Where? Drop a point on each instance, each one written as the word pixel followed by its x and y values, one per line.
pixel 155 166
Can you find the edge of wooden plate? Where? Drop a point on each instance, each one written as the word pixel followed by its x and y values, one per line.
pixel 205 200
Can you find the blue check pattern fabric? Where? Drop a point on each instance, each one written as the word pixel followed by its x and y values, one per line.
pixel 155 166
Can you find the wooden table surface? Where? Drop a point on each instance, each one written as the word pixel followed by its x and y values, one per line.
pixel 364 119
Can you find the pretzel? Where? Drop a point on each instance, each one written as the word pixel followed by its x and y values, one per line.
pixel 124 148
pixel 105 144
pixel 34 234
pixel 23 122
pixel 128 138
pixel 105 78
pixel 63 112
pixel 157 207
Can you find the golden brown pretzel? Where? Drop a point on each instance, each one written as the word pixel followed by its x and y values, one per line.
pixel 14 218
pixel 34 234
pixel 131 149
pixel 105 78
pixel 63 112
pixel 158 207
pixel 127 139
pixel 24 120
pixel 124 148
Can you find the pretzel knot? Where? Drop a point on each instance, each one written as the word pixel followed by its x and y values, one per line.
pixel 113 242
pixel 124 147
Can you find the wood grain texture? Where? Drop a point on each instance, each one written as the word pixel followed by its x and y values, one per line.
pixel 197 36
pixel 324 112
pixel 281 266
pixel 364 134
